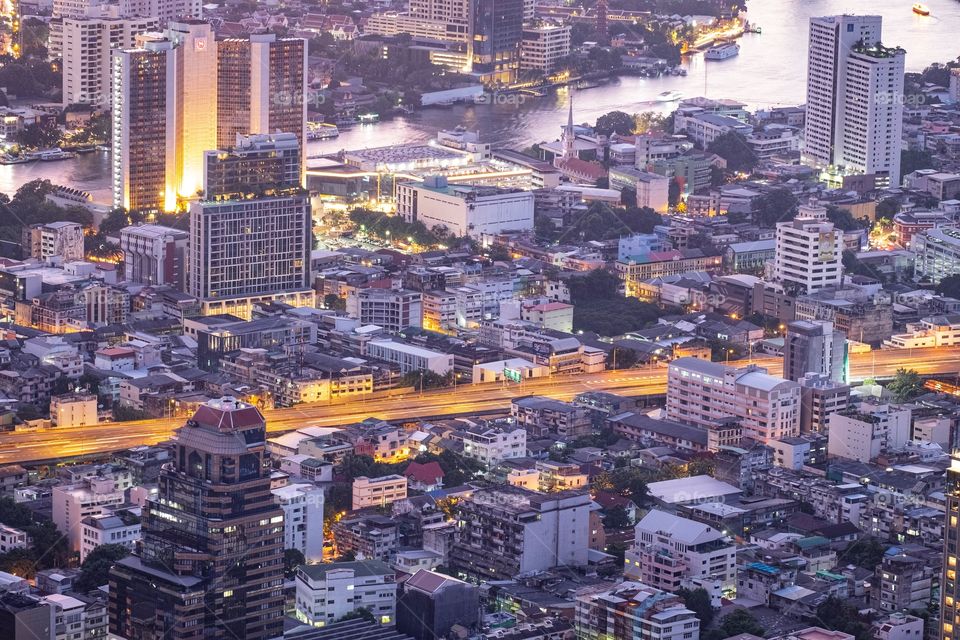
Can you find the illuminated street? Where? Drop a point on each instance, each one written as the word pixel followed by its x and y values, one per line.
pixel 54 443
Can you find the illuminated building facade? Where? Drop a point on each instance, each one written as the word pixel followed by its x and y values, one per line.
pixel 250 236
pixel 949 589
pixel 212 92
pixel 195 119
pixel 211 563
pixel 261 87
pixel 143 142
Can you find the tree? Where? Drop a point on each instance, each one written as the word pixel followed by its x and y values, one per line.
pixel 774 206
pixel 616 518
pixel 621 358
pixel 736 622
pixel 618 122
pixel 906 385
pixel 733 147
pixel 425 379
pixel 698 601
pixel 333 301
pixel 39 135
pixel 95 570
pixel 865 553
pixel 292 558
pixel 843 219
pixel 887 208
pixel 950 286
pixel 362 613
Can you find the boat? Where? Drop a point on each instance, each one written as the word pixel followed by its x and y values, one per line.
pixel 722 51
pixel 8 159
pixel 921 9
pixel 50 155
pixel 669 96
pixel 322 131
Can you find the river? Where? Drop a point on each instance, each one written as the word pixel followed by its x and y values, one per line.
pixel 770 71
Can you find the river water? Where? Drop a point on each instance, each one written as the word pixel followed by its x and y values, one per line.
pixel 770 71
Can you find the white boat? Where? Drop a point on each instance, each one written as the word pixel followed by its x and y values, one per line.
pixel 49 155
pixel 921 9
pixel 722 51
pixel 669 96
pixel 322 131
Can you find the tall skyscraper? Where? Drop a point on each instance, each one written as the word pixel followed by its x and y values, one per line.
pixel 144 145
pixel 813 347
pixel 854 99
pixel 211 564
pixel 949 587
pixel 250 235
pixel 213 92
pixel 261 87
pixel 195 119
pixel 497 32
pixel 809 252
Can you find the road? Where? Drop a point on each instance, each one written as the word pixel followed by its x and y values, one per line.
pixel 45 444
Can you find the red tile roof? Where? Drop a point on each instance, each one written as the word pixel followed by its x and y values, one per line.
pixel 428 473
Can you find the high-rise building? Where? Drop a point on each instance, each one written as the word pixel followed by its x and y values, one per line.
pixel 710 394
pixel 144 143
pixel 812 346
pixel 252 241
pixel 154 254
pixel 809 252
pixel 497 32
pixel 819 398
pixel 162 11
pixel 949 586
pixel 854 99
pixel 261 87
pixel 208 93
pixel 211 564
pixel 195 119
pixel 88 43
pixel 670 551
pixel 432 603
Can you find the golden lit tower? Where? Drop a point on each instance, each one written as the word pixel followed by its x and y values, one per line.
pixel 949 591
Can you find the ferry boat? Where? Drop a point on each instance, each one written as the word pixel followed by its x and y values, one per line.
pixel 669 96
pixel 722 51
pixel 322 131
pixel 921 9
pixel 50 155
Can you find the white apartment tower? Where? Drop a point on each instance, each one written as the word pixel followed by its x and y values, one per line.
pixel 88 44
pixel 809 251
pixel 854 98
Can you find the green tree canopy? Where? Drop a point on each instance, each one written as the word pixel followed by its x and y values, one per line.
pixel 733 147
pixel 95 570
pixel 906 385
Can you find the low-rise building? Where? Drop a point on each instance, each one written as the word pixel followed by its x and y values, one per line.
pixel 633 610
pixel 115 526
pixel 410 358
pixel 867 430
pixel 325 593
pixel 465 210
pixel 670 552
pixel 73 410
pixel 378 492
